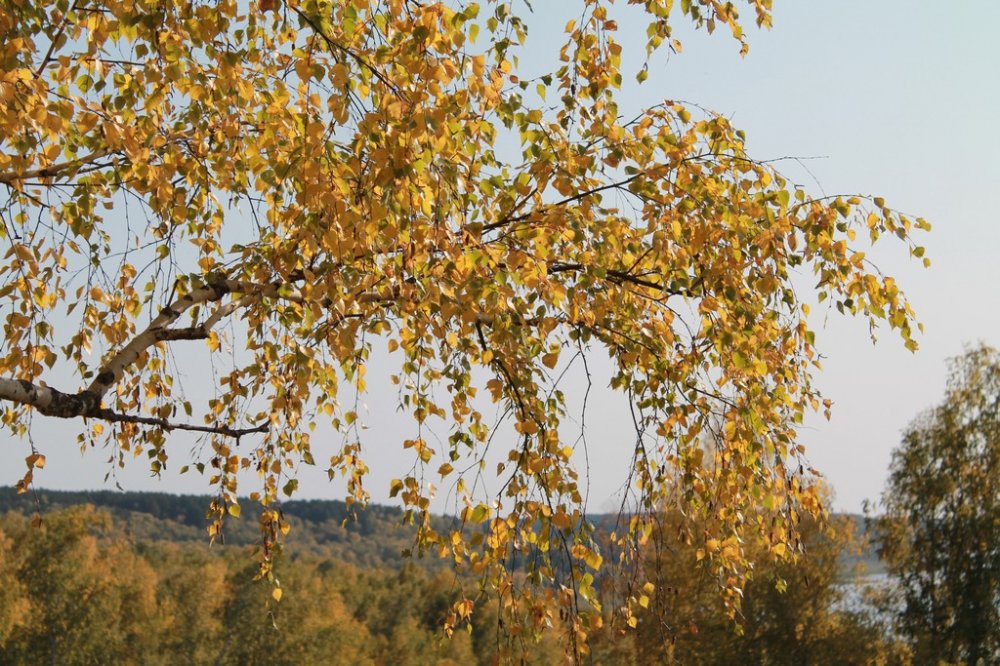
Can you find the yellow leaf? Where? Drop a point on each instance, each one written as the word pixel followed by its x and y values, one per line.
pixel 561 520
pixel 479 514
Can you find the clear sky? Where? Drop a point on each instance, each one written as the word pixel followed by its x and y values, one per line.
pixel 892 98
pixel 901 98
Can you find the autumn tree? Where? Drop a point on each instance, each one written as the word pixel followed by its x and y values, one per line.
pixel 83 599
pixel 940 529
pixel 792 610
pixel 312 627
pixel 329 174
pixel 80 589
pixel 192 596
pixel 14 606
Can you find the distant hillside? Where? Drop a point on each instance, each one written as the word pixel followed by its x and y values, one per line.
pixel 373 536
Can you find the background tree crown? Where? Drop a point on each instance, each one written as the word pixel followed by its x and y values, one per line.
pixel 940 531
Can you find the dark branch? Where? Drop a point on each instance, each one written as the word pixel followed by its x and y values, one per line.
pixel 508 219
pixel 55 170
pixel 334 46
pixel 116 417
pixel 618 277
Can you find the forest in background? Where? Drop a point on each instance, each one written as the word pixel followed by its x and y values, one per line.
pixel 131 578
pixel 373 536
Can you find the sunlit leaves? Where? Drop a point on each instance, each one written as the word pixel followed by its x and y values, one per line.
pixel 305 180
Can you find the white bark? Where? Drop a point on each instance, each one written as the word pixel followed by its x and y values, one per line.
pixel 112 371
pixel 26 393
pixel 88 402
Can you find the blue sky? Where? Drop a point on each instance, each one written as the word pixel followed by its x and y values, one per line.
pixel 891 98
pixel 900 100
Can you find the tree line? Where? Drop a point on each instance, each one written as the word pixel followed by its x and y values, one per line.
pixel 87 584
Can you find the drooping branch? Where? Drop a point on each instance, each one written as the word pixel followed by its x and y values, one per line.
pixel 333 45
pixel 88 402
pixel 116 417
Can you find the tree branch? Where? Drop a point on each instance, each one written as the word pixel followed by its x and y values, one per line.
pixel 509 219
pixel 111 372
pixel 334 46
pixel 116 417
pixel 616 276
pixel 47 400
pixel 54 170
pixel 88 402
pixel 157 330
pixel 51 402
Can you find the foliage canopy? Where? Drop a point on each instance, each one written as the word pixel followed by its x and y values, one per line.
pixel 330 173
